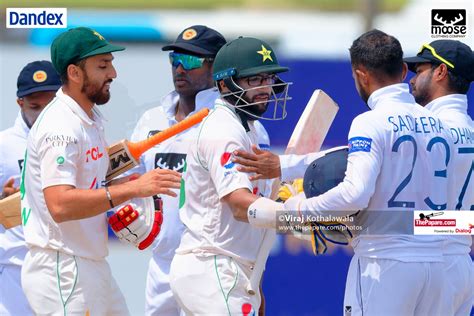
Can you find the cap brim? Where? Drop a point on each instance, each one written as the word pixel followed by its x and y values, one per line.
pixel 109 48
pixel 412 61
pixel 189 48
pixel 274 69
pixel 21 94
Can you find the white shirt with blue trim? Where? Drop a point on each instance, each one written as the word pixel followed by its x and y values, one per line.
pixel 452 109
pixel 397 163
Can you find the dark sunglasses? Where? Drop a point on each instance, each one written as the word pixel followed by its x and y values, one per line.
pixel 187 61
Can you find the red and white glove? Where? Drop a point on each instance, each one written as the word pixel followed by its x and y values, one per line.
pixel 138 222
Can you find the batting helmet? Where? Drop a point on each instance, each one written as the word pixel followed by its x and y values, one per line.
pixel 326 172
pixel 322 175
pixel 245 57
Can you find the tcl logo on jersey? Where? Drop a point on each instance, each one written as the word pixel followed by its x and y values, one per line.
pixel 226 161
pixel 94 154
pixel 94 184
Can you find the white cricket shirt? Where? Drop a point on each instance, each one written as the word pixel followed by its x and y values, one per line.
pixel 12 153
pixel 65 147
pixel 210 176
pixel 452 109
pixel 397 160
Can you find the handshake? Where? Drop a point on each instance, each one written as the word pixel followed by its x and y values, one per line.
pixel 138 222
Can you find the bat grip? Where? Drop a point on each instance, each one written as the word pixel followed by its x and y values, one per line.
pixel 138 148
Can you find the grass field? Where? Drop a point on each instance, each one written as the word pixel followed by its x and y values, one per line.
pixel 327 5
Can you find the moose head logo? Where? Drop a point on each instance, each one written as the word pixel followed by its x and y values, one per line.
pixel 448 23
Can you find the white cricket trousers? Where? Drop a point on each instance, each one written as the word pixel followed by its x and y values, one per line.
pixel 386 287
pixel 460 284
pixel 56 283
pixel 213 285
pixel 159 299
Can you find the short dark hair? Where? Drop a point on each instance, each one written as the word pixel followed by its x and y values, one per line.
pixel 379 52
pixel 81 63
pixel 458 84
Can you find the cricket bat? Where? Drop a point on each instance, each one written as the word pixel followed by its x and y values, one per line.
pixel 307 137
pixel 123 156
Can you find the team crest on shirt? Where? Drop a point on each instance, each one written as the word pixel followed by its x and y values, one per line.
pixel 226 160
pixel 247 310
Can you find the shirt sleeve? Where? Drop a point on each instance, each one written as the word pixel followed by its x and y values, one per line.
pixel 363 167
pixel 218 160
pixel 59 156
pixel 294 166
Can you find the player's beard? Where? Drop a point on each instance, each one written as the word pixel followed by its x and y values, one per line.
pixel 96 94
pixel 257 109
pixel 421 90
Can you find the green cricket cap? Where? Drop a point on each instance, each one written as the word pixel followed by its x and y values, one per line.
pixel 76 44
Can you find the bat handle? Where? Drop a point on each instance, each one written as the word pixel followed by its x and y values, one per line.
pixel 138 148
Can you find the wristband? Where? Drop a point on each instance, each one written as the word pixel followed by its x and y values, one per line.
pixel 109 197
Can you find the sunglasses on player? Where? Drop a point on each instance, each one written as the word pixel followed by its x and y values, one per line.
pixel 187 61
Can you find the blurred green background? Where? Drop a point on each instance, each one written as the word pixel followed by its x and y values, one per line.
pixel 326 5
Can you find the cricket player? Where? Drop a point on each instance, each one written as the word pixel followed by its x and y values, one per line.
pixel 443 71
pixel 213 262
pixel 191 59
pixel 37 84
pixel 397 162
pixel 63 202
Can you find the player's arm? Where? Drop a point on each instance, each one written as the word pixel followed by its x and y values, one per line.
pixel 363 167
pixel 352 194
pixel 65 202
pixel 267 165
pixel 239 201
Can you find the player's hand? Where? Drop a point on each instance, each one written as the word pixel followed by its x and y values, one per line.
pixel 9 188
pixel 265 164
pixel 138 222
pixel 156 182
pixel 290 189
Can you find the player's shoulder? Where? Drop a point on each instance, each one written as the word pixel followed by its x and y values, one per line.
pixel 154 117
pixel 6 133
pixel 57 118
pixel 221 124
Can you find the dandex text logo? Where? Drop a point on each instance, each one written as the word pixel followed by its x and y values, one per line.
pixel 25 18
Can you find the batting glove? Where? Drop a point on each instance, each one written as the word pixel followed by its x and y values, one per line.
pixel 138 222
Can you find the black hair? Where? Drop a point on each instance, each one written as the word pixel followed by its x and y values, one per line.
pixel 458 84
pixel 379 52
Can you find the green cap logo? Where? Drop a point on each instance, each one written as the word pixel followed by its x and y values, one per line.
pixel 265 53
pixel 60 160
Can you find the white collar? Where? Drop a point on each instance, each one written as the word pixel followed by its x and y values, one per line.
pixel 97 117
pixel 451 101
pixel 390 94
